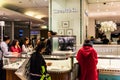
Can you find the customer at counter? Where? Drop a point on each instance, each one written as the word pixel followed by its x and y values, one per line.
pixel 15 47
pixel 36 63
pixel 105 40
pixel 118 41
pixel 4 52
pixel 25 46
pixel 87 59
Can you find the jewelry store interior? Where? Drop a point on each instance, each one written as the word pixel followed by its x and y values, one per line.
pixel 73 21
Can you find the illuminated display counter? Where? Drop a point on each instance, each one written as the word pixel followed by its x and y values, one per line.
pixel 63 68
pixel 109 67
pixel 60 69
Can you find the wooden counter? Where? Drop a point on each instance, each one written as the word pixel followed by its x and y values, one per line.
pixel 60 75
pixel 10 75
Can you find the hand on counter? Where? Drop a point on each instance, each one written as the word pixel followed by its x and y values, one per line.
pixel 16 54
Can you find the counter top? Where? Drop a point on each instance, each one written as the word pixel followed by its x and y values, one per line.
pixel 13 66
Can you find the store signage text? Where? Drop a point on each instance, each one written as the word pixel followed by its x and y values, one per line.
pixel 67 10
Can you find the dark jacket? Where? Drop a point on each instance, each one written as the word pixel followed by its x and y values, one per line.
pixel 36 61
pixel 48 46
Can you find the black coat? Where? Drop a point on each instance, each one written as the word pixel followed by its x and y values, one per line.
pixel 36 61
pixel 48 46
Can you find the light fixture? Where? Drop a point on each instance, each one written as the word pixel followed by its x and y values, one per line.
pixel 45 0
pixel 44 27
pixel 38 17
pixel 97 0
pixel 2 3
pixel 30 13
pixel 2 23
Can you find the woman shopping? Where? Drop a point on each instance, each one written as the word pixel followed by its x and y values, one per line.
pixel 38 65
pixel 87 59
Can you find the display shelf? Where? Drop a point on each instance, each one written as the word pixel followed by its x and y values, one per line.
pixel 109 67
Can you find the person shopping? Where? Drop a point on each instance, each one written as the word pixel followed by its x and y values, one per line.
pixel 4 51
pixel 15 47
pixel 87 59
pixel 37 63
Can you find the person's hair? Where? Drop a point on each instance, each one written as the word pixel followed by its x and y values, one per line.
pixel 14 42
pixel 87 43
pixel 91 37
pixel 40 47
pixel 54 33
pixel 25 39
pixel 5 38
pixel 51 32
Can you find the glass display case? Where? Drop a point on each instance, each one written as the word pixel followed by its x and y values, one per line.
pixel 109 67
pixel 60 68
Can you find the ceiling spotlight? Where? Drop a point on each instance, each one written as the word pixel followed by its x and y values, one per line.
pixel 29 13
pixel 97 0
pixel 38 17
pixel 104 3
pixel 20 1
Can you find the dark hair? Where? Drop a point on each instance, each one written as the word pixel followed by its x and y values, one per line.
pixel 54 33
pixel 25 39
pixel 40 46
pixel 87 43
pixel 51 32
pixel 14 42
pixel 5 38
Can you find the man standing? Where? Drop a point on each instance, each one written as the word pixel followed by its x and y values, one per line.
pixel 49 43
pixel 4 52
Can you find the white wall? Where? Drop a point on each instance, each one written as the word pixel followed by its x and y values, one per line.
pixel 85 18
pixel 91 27
pixel 66 11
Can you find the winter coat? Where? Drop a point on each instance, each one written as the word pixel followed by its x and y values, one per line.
pixel 87 59
pixel 36 61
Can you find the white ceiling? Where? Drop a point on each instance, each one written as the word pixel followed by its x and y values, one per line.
pixel 98 9
pixel 104 10
pixel 101 1
pixel 14 10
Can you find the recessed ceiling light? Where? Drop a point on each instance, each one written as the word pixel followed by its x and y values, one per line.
pixel 38 16
pixel 30 13
pixel 45 0
pixel 97 0
pixel 2 2
pixel 20 1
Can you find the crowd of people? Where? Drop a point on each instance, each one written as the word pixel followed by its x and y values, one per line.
pixel 103 39
pixel 16 48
